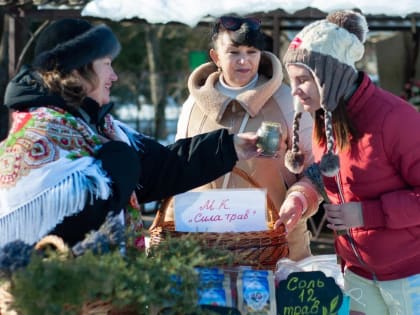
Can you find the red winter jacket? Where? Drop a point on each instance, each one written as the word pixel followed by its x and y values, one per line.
pixel 382 171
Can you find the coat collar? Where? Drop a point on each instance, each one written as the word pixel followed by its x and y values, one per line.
pixel 203 80
pixel 361 95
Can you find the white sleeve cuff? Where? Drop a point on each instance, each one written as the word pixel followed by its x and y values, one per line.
pixel 302 198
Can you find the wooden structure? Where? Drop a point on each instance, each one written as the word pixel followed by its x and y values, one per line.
pixel 20 14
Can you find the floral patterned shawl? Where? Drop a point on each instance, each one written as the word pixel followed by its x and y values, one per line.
pixel 47 171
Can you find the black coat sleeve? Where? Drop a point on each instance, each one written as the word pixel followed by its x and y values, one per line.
pixel 183 165
pixel 121 163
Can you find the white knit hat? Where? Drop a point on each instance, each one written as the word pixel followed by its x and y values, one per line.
pixel 329 49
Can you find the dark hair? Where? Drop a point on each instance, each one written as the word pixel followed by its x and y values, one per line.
pixel 244 32
pixel 343 129
pixel 69 86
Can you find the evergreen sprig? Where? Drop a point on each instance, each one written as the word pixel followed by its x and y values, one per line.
pixel 13 256
pixel 110 235
pixel 313 172
pixel 165 277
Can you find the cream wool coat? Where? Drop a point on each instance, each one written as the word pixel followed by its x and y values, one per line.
pixel 208 109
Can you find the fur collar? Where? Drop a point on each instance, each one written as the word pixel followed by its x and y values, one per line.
pixel 202 82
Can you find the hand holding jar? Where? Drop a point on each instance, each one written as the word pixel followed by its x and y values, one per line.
pixel 269 135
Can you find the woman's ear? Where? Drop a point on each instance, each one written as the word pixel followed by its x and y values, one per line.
pixel 214 56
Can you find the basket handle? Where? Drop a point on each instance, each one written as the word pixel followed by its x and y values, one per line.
pixel 271 208
pixel 55 242
pixel 272 213
pixel 160 214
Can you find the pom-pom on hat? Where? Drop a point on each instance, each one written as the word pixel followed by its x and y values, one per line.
pixel 329 49
pixel 69 44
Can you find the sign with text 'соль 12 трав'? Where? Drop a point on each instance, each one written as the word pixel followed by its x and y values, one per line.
pixel 221 210
pixel 308 293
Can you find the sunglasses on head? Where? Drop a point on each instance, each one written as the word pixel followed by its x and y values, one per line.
pixel 233 23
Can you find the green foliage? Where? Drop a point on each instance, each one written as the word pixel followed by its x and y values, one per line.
pixel 175 41
pixel 165 277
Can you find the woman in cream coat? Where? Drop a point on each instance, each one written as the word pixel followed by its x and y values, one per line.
pixel 239 90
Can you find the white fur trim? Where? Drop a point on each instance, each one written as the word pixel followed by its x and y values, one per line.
pixel 184 118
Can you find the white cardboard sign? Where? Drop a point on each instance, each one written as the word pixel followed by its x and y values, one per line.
pixel 221 210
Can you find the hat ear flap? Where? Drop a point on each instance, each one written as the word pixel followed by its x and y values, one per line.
pixel 330 162
pixel 294 158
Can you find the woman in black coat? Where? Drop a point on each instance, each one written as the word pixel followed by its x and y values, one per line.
pixel 66 162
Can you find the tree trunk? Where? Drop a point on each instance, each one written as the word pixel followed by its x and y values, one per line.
pixel 4 112
pixel 4 75
pixel 157 84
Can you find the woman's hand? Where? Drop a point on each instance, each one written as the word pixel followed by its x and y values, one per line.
pixel 344 216
pixel 246 145
pixel 290 213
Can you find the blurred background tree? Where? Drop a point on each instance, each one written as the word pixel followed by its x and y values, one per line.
pixel 154 65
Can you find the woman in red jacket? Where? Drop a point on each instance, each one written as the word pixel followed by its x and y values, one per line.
pixel 367 143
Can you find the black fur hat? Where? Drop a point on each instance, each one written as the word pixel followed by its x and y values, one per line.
pixel 69 44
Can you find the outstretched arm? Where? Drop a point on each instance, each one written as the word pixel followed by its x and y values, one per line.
pixel 190 162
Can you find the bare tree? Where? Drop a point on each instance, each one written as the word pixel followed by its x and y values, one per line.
pixel 157 82
pixel 4 75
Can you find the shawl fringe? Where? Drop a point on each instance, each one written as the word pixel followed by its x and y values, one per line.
pixel 128 135
pixel 36 218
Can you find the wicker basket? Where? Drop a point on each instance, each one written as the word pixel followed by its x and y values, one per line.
pixel 6 300
pixel 89 308
pixel 104 308
pixel 259 249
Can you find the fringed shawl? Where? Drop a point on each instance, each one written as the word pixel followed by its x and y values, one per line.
pixel 47 171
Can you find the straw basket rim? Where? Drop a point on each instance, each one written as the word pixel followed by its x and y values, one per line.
pixel 259 249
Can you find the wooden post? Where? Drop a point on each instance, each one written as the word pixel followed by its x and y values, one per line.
pixel 17 30
pixel 276 35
